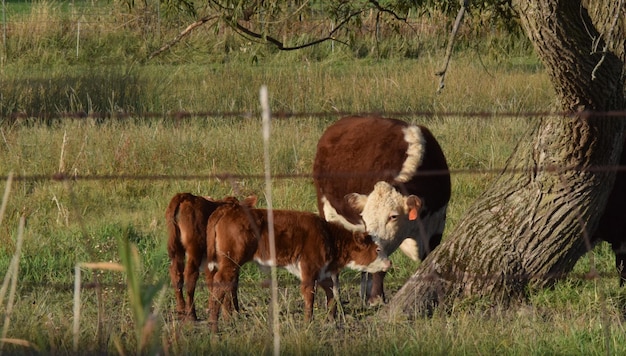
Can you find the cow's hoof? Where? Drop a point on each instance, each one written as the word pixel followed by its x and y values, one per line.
pixel 375 302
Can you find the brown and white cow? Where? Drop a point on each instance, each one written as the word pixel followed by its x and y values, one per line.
pixel 186 218
pixel 307 246
pixel 367 173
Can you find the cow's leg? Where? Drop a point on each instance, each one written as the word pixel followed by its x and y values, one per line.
pixel 331 289
pixel 209 276
pixel 234 292
pixel 177 270
pixel 366 286
pixel 192 272
pixel 224 283
pixel 619 249
pixel 377 293
pixel 372 290
pixel 216 300
pixel 230 299
pixel 307 289
pixel 176 253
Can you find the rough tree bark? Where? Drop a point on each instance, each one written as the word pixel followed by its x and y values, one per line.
pixel 534 222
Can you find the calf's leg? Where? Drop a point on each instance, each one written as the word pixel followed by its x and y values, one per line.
pixel 223 288
pixel 231 301
pixel 216 300
pixel 331 289
pixel 176 253
pixel 307 289
pixel 192 272
pixel 177 270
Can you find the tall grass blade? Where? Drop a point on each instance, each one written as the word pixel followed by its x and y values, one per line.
pixel 141 298
pixel 110 266
pixel 12 274
pixel 266 114
pixel 76 323
pixel 5 197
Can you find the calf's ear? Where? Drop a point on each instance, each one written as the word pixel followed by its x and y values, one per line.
pixel 363 239
pixel 414 205
pixel 356 201
pixel 250 201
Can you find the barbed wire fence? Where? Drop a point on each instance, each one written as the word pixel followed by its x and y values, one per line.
pixel 234 177
pixel 97 285
pixel 174 116
pixel 85 14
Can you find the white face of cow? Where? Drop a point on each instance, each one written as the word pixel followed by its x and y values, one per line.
pixel 389 216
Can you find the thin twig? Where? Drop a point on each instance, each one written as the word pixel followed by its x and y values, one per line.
pixel 281 46
pixel 455 29
pixel 180 36
pixel 386 10
pixel 608 39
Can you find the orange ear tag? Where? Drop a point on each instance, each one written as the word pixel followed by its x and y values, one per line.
pixel 413 214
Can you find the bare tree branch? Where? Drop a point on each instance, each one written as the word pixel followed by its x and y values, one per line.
pixel 234 21
pixel 281 46
pixel 455 29
pixel 609 38
pixel 180 36
pixel 383 9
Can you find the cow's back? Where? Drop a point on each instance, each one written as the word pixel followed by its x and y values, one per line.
pixel 233 230
pixel 192 217
pixel 356 152
pixel 297 235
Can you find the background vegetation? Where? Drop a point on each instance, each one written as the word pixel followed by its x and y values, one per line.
pixel 120 169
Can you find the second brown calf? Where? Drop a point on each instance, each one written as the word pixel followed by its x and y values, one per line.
pixel 186 218
pixel 307 246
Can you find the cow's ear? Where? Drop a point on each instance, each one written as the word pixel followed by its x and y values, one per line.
pixel 356 201
pixel 250 201
pixel 414 205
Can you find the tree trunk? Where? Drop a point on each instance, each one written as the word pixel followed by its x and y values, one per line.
pixel 534 222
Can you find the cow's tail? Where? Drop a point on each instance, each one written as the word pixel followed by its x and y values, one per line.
pixel 174 243
pixel 211 237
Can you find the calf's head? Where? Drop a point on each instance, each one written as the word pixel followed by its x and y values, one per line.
pixel 389 216
pixel 366 256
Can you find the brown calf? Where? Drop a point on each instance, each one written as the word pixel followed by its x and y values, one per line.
pixel 186 218
pixel 307 246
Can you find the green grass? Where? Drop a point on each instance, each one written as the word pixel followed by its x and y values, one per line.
pixel 350 86
pixel 81 221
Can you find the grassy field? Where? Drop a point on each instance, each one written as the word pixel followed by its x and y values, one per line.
pixel 83 220
pixel 124 171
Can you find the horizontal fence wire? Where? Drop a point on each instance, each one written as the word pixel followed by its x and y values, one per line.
pixel 60 177
pixel 286 115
